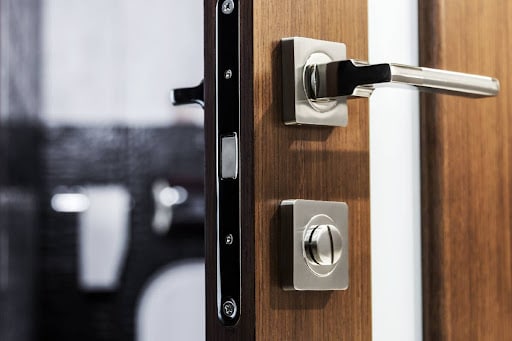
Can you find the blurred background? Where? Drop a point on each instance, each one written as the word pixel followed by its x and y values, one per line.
pixel 101 177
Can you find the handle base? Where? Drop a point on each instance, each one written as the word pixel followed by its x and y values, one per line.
pixel 318 79
pixel 298 108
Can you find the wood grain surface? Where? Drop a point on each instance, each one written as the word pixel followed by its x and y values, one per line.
pixel 466 175
pixel 307 162
pixel 283 162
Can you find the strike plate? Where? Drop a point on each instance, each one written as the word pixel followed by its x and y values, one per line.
pixel 297 270
pixel 297 108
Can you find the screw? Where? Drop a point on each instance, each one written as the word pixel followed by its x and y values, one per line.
pixel 228 74
pixel 229 239
pixel 229 308
pixel 228 6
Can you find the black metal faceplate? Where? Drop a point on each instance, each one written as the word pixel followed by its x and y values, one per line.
pixel 228 190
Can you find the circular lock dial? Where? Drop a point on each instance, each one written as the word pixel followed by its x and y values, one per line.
pixel 323 244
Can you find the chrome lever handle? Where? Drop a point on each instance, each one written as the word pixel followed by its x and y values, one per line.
pixel 318 78
pixel 355 78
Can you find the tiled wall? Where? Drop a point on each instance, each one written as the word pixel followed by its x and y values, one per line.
pixel 132 158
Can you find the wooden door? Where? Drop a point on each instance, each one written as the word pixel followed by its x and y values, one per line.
pixel 467 175
pixel 281 162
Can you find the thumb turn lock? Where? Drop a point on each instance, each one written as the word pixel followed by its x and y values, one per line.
pixel 318 79
pixel 323 244
pixel 314 245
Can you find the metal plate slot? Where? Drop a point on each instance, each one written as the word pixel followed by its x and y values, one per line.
pixel 228 173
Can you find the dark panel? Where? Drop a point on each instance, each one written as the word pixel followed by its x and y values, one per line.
pixel 18 252
pixel 19 155
pixel 245 328
pixel 19 167
pixel 134 158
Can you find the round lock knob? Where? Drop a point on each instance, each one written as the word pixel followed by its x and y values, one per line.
pixel 323 244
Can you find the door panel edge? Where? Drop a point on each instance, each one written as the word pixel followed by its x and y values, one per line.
pixel 244 329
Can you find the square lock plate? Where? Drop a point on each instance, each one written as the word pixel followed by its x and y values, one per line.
pixel 297 109
pixel 308 259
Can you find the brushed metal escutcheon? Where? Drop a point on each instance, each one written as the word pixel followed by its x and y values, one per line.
pixel 314 245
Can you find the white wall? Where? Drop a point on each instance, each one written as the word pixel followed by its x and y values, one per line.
pixel 116 61
pixel 172 305
pixel 395 182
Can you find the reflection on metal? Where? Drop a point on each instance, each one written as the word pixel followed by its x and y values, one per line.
pixel 323 244
pixel 297 107
pixel 356 78
pixel 229 156
pixel 318 79
pixel 229 308
pixel 228 6
pixel 165 198
pixel 70 202
pixel 228 140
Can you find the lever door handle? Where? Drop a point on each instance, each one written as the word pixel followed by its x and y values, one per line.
pixel 318 78
pixel 192 95
pixel 355 78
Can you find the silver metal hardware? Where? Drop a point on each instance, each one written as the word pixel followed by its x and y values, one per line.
pixel 356 78
pixel 322 244
pixel 228 6
pixel 297 107
pixel 314 245
pixel 318 79
pixel 229 308
pixel 227 153
pixel 229 157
